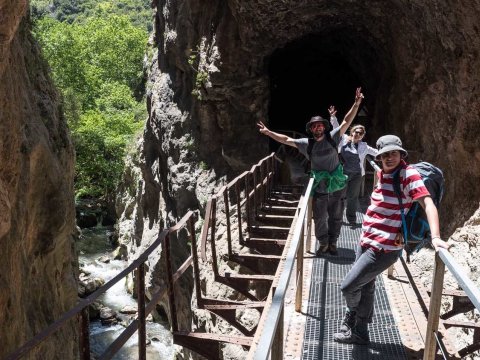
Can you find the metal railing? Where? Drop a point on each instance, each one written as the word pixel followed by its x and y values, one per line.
pixel 254 185
pixel 271 338
pixel 81 310
pixel 144 309
pixel 444 258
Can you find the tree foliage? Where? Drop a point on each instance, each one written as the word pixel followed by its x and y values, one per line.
pixel 138 11
pixel 85 56
pixel 98 66
pixel 101 139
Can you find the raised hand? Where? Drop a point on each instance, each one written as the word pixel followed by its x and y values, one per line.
pixel 358 96
pixel 262 128
pixel 332 110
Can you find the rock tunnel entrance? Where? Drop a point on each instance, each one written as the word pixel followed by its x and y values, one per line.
pixel 316 71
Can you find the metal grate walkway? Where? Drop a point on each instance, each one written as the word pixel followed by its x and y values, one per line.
pixel 326 309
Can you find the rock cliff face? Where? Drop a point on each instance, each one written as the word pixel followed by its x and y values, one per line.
pixel 219 66
pixel 37 271
pixel 417 62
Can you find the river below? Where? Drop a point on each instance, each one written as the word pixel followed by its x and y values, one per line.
pixel 94 244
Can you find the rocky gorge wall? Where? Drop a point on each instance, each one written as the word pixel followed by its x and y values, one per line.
pixel 417 63
pixel 210 79
pixel 37 217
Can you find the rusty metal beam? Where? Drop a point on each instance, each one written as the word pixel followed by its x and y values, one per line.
pixel 84 319
pixel 142 330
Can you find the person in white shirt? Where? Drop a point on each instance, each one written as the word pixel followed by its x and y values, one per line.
pixel 352 152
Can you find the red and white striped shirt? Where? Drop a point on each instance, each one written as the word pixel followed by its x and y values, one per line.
pixel 383 220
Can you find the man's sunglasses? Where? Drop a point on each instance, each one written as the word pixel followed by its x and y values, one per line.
pixel 359 132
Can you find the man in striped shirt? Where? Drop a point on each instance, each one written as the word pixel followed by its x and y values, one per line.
pixel 381 242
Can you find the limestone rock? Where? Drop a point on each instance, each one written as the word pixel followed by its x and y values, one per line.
pixel 37 218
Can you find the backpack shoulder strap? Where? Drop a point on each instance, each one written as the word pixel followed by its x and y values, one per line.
pixel 332 142
pixel 398 191
pixel 311 142
pixel 396 186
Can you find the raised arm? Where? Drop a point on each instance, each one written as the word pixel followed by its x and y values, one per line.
pixel 333 117
pixel 371 151
pixel 432 217
pixel 283 139
pixel 352 112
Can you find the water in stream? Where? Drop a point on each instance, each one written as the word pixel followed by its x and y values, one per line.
pixel 94 244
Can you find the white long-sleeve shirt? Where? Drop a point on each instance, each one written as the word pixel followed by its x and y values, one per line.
pixel 363 148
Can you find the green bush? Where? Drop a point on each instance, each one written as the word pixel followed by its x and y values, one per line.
pixel 100 142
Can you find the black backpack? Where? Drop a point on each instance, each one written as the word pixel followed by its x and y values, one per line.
pixel 416 232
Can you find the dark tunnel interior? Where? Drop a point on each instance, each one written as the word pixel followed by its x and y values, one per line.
pixel 312 73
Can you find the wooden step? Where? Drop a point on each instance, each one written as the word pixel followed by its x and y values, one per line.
pixel 266 245
pixel 249 277
pixel 270 217
pixel 269 231
pixel 279 242
pixel 260 257
pixel 462 324
pixel 282 202
pixel 281 210
pixel 260 263
pixel 233 306
pixel 284 195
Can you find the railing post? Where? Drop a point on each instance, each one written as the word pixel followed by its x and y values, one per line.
pixel 269 179
pixel 309 223
pixel 247 200
pixel 212 237
pixel 434 310
pixel 239 211
pixel 227 215
pixel 276 352
pixel 298 295
pixel 171 287
pixel 84 320
pixel 264 182
pixel 390 270
pixel 255 202
pixel 142 332
pixel 196 268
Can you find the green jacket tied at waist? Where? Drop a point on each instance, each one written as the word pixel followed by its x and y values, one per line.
pixel 334 180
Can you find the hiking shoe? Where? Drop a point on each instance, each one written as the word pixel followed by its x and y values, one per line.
pixel 348 321
pixel 352 221
pixel 322 250
pixel 333 249
pixel 356 335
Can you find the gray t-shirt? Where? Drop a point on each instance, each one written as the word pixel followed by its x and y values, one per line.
pixel 324 155
pixel 351 160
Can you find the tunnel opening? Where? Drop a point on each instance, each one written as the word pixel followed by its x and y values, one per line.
pixel 309 74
